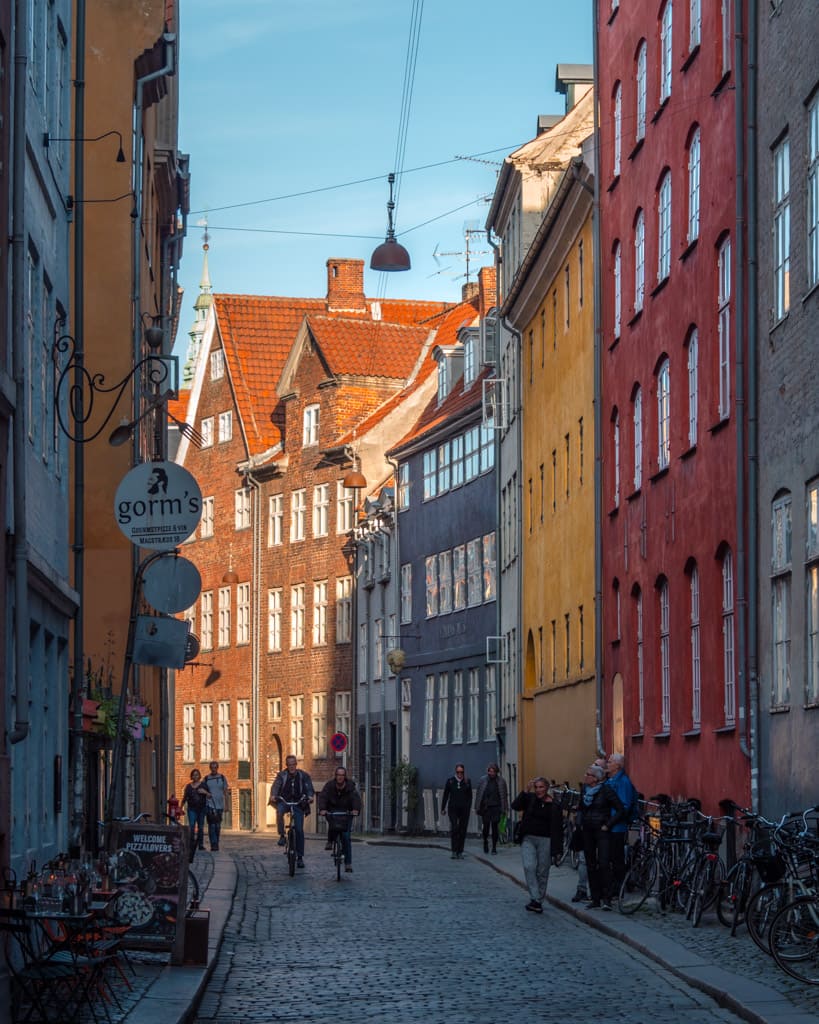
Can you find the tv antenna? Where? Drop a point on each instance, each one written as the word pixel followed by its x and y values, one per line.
pixel 467 253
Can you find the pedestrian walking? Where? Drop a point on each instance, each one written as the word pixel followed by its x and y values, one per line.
pixel 195 801
pixel 600 808
pixel 457 800
pixel 218 795
pixel 542 828
pixel 491 801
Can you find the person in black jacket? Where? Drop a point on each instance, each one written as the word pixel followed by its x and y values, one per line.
pixel 458 799
pixel 340 794
pixel 542 838
pixel 600 808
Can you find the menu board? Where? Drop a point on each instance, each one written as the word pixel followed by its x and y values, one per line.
pixel 149 870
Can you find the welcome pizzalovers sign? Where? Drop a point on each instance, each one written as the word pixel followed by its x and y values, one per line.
pixel 158 505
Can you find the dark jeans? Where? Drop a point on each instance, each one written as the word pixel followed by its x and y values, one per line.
pixel 597 848
pixel 214 828
pixel 617 852
pixel 196 820
pixel 490 820
pixel 458 821
pixel 298 825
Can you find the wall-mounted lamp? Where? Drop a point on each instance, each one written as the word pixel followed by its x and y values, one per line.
pixel 120 153
pixel 390 255
pixel 154 335
pixel 355 479
pixel 230 576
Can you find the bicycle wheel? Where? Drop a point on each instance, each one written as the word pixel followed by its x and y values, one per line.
pixel 734 895
pixel 637 885
pixel 763 907
pixel 193 890
pixel 698 895
pixel 794 937
pixel 291 852
pixel 338 855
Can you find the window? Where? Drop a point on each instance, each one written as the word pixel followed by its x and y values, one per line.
pixel 343 609
pixel 474 710
pixel 321 510
pixel 188 732
pixel 458 707
pixel 242 730
pixel 429 709
pixel 431 575
pixel 729 678
pixel 567 297
pixel 639 261
pixel 664 228
pixel 782 230
pixel 406 592
pixel 443 707
pixel 457 460
pixel 487 447
pixel 297 726
pixel 274 709
pixel 696 686
pixel 243 613
pixel 694 187
pixel 430 461
pixel 665 657
pixel 727 35
pixel 490 716
pixel 567 645
pixel 363 652
pixel 444 582
pixel 640 78
pixel 618 128
pixel 489 566
pixel 694 23
pixel 225 426
pixel 207 432
pixel 459 577
pixel 206 529
pixel 663 415
pixel 275 520
pixel 241 509
pixel 274 619
pixel 781 600
pixel 638 439
pixel 403 486
pixel 319 725
pixel 206 624
pixel 471 453
pixel 206 732
pixel 298 510
pixel 615 431
pixel 217 365
pixel 639 636
pixel 693 345
pixel 224 730
pixel 310 426
pixel 618 287
pixel 344 508
pixel 812 594
pixel 666 53
pixel 224 616
pixel 343 712
pixel 443 378
pixel 319 613
pixel 444 460
pixel 813 193
pixel 297 615
pixel 724 326
pixel 473 572
pixel 470 345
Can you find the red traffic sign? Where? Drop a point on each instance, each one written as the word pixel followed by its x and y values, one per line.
pixel 338 741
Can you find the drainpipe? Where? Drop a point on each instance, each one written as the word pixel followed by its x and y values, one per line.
pixel 598 416
pixel 18 272
pixel 753 413
pixel 255 633
pixel 739 283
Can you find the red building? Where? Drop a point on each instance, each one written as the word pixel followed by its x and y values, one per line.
pixel 673 652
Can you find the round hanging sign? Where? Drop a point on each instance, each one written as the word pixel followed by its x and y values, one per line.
pixel 171 584
pixel 338 741
pixel 158 505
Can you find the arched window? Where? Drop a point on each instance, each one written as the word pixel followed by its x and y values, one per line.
pixel 640 72
pixel 693 385
pixel 694 23
pixel 638 636
pixel 663 415
pixel 665 655
pixel 618 127
pixel 724 325
pixel 781 599
pixel 617 271
pixel 638 438
pixel 696 691
pixel 666 20
pixel 694 187
pixel 639 260
pixel 728 660
pixel 615 442
pixel 664 228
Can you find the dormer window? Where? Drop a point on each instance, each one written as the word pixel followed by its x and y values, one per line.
pixel 310 427
pixel 470 343
pixel 443 375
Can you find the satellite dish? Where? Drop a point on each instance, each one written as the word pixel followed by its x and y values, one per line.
pixel 171 584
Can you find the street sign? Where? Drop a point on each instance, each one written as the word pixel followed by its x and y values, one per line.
pixel 338 741
pixel 171 584
pixel 158 505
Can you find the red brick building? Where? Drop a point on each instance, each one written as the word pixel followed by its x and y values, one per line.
pixel 279 390
pixel 672 352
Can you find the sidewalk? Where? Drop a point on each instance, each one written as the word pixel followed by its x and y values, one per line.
pixel 732 971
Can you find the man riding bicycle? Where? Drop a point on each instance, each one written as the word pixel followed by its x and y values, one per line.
pixel 292 786
pixel 340 794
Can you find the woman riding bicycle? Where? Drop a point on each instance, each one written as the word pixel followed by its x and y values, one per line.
pixel 340 794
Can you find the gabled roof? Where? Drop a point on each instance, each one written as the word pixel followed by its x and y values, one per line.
pixel 367 348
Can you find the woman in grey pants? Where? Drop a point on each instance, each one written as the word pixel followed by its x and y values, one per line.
pixel 542 838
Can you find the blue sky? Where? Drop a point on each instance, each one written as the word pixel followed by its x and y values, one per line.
pixel 287 96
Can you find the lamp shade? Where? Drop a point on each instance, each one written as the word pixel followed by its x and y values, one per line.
pixel 390 255
pixel 230 576
pixel 354 479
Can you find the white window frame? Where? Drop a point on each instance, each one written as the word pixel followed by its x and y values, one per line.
pixel 781 229
pixel 275 520
pixel 664 228
pixel 641 682
pixel 224 730
pixel 641 76
pixel 217 364
pixel 618 128
pixel 474 588
pixel 243 730
pixel 444 582
pixel 320 604
pixel 781 564
pixel 429 711
pixel 274 709
pixel 206 621
pixel 297 615
pixel 663 415
pixel 345 520
pixel 694 182
pixel 813 193
pixel 206 526
pixel 490 708
pixel 225 426
pixel 665 657
pixel 666 51
pixel 406 593
pixel 724 326
pixel 319 724
pixel 443 708
pixel 225 617
pixel 489 566
pixel 206 430
pixel 274 619
pixel 310 426
pixel 474 706
pixel 727 39
pixel 728 659
pixel 241 508
pixel 206 732
pixel 344 609
pixel 638 439
pixel 696 661
pixel 618 287
pixel 431 585
pixel 615 426
pixel 298 514
pixel 403 486
pixel 430 464
pixel 243 613
pixel 457 706
pixel 694 24
pixel 444 466
pixel 457 461
pixel 297 725
pixel 639 261
pixel 188 732
pixel 459 591
pixel 343 711
pixel 472 449
pixel 693 386
pixel 321 510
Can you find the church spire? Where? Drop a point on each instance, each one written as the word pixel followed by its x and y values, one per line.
pixel 203 303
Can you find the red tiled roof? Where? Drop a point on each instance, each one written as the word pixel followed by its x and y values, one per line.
pixel 179 406
pixel 370 348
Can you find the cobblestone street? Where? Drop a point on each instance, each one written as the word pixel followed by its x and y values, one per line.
pixel 411 936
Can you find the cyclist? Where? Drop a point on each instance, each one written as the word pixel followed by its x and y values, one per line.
pixel 340 794
pixel 292 786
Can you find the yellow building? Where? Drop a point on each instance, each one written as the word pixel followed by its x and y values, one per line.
pixel 548 300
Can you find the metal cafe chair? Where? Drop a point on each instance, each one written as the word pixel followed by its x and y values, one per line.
pixel 42 990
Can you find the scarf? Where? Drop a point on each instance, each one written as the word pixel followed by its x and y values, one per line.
pixel 588 793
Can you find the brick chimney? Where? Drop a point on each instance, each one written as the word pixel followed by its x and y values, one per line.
pixel 469 291
pixel 345 286
pixel 488 290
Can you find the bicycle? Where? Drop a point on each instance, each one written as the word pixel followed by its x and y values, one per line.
pixel 338 823
pixel 708 875
pixel 290 849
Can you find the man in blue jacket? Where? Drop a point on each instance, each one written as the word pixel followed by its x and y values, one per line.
pixel 624 787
